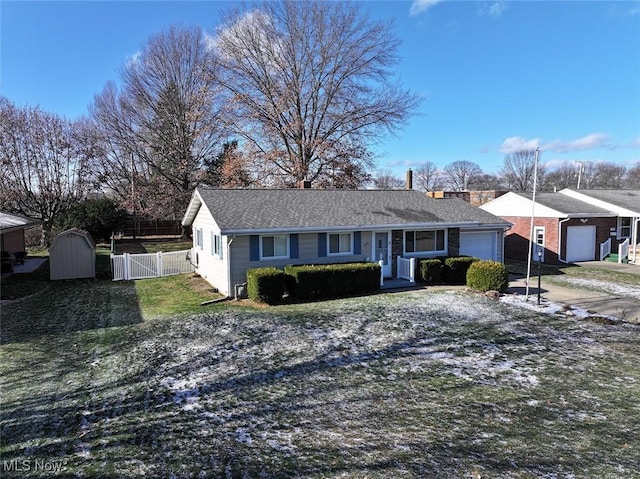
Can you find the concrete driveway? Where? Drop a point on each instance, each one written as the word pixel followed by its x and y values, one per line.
pixel 622 302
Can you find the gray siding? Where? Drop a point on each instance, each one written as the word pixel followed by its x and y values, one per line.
pixel 308 254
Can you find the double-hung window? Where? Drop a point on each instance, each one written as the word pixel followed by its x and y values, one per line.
pixel 199 240
pixel 340 243
pixel 274 247
pixel 216 245
pixel 425 241
pixel 624 227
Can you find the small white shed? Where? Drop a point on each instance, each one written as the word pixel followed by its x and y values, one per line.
pixel 72 255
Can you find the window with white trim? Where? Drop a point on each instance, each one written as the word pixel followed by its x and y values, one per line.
pixel 340 243
pixel 274 247
pixel 624 227
pixel 199 242
pixel 424 241
pixel 216 245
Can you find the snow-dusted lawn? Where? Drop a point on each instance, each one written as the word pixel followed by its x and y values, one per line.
pixel 406 385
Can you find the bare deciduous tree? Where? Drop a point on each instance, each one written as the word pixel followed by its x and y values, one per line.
pixel 385 180
pixel 518 170
pixel 164 124
pixel 42 165
pixel 608 176
pixel 460 174
pixel 485 181
pixel 428 177
pixel 310 84
pixel 563 176
pixel 633 177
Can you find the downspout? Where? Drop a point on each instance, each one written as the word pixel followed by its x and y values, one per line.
pixel 228 258
pixel 635 241
pixel 560 241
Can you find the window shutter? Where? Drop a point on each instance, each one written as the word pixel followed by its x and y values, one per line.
pixel 254 248
pixel 322 245
pixel 293 246
pixel 357 240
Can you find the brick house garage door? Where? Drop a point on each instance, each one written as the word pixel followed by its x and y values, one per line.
pixel 581 243
pixel 481 245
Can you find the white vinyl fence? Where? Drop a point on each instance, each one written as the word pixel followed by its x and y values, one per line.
pixel 406 268
pixel 150 265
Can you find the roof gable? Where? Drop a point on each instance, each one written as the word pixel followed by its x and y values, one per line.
pixel 246 210
pixel 548 205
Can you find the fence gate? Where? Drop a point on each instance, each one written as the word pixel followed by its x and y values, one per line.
pixel 150 265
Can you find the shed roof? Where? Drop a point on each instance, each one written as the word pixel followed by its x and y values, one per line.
pixel 247 210
pixel 77 232
pixel 12 222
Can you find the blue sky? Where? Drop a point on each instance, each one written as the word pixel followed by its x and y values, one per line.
pixel 495 76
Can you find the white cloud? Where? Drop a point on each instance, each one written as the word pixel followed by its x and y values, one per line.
pixel 589 142
pixel 419 6
pixel 492 9
pixel 517 143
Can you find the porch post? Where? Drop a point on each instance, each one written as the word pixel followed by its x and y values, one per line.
pixel 381 263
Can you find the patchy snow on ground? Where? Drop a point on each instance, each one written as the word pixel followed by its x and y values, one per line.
pixel 609 287
pixel 414 384
pixel 549 307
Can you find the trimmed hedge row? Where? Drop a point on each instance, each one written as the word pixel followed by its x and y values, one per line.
pixel 333 280
pixel 304 282
pixel 266 285
pixel 444 269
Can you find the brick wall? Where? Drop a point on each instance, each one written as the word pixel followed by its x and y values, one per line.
pixel 516 244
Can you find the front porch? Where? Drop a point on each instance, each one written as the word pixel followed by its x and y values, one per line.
pixel 404 277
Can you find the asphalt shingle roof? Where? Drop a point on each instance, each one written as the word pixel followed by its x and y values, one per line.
pixel 566 204
pixel 629 199
pixel 272 209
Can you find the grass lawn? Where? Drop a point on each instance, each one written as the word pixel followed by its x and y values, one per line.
pixel 405 385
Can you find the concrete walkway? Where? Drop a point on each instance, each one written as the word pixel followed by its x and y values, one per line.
pixel 617 305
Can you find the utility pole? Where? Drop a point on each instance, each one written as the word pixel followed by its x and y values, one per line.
pixel 580 169
pixel 533 210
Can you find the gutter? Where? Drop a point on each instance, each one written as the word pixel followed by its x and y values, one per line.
pixel 316 229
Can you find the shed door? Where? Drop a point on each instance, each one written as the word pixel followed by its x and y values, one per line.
pixel 479 244
pixel 581 243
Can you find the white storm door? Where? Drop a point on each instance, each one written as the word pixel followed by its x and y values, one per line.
pixel 382 251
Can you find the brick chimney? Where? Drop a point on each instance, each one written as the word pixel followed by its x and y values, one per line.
pixel 409 184
pixel 305 184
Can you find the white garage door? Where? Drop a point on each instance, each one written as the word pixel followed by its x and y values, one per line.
pixel 581 243
pixel 481 245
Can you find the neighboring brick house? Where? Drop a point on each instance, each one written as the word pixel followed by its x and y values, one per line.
pixel 567 228
pixel 476 197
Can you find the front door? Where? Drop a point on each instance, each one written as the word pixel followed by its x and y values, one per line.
pixel 382 251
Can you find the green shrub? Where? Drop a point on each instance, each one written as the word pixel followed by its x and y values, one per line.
pixel 488 276
pixel 334 280
pixel 266 285
pixel 430 271
pixel 455 271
